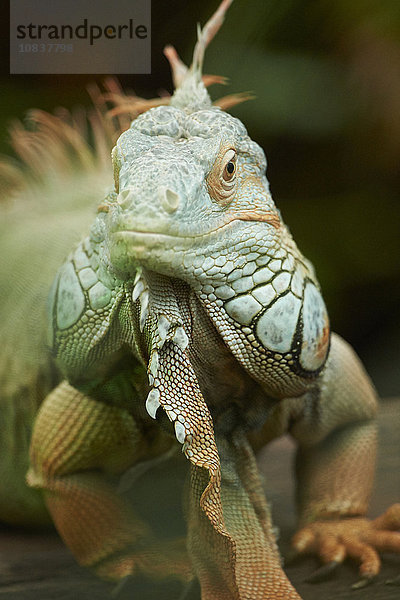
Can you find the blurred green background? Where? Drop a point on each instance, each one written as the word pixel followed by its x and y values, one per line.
pixel 326 76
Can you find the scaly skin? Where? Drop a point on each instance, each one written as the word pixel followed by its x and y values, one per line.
pixel 190 311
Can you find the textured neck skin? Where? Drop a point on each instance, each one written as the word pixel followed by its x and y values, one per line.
pixel 233 397
pixel 270 314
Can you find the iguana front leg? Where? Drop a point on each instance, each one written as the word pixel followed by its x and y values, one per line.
pixel 335 467
pixel 79 448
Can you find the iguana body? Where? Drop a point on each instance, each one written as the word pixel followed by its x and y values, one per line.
pixel 189 316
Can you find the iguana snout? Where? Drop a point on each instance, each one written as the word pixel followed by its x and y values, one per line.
pixel 160 191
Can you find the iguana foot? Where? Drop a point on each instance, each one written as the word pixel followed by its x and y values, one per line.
pixel 357 538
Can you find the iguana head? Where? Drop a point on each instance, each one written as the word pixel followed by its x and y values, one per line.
pixel 192 202
pixel 189 184
pixel 189 180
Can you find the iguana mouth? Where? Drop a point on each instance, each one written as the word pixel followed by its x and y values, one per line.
pixel 149 238
pixel 268 219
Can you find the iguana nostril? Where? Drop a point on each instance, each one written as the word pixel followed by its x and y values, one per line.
pixel 125 198
pixel 169 200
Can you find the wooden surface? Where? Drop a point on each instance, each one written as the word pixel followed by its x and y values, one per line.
pixel 36 566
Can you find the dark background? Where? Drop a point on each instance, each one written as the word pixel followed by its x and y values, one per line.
pixel 326 75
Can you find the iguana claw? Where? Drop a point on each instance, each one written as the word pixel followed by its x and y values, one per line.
pixel 363 582
pixel 121 585
pixel 323 572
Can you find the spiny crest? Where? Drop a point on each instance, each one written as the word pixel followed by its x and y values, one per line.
pixel 56 145
pixel 190 84
pixel 190 93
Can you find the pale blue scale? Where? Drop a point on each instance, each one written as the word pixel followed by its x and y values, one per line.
pixel 70 298
pixel 314 320
pixel 276 327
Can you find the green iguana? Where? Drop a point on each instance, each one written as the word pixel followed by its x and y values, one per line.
pixel 188 318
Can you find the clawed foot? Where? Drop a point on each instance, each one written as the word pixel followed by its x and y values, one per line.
pixel 357 538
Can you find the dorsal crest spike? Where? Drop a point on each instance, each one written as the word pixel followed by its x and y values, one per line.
pixel 205 35
pixel 178 68
pixel 191 93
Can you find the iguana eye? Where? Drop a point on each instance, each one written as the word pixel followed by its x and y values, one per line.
pixel 221 181
pixel 229 170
